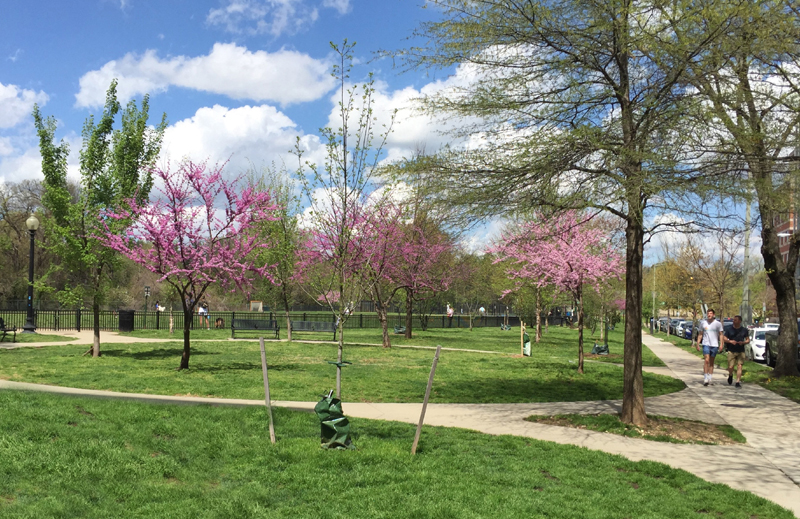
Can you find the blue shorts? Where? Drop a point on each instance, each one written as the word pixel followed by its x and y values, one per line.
pixel 710 350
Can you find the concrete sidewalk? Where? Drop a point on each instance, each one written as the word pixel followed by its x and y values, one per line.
pixel 768 465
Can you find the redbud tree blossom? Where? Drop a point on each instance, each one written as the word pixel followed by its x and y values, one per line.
pixel 197 232
pixel 567 251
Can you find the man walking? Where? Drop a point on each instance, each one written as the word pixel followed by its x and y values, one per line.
pixel 710 336
pixel 735 338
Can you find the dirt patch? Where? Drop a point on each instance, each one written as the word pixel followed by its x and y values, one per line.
pixel 680 430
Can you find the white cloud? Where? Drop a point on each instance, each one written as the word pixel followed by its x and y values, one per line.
pixel 6 148
pixel 16 104
pixel 284 76
pixel 250 135
pixel 413 129
pixel 274 17
pixel 15 168
pixel 342 6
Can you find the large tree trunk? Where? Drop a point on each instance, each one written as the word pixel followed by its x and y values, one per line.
pixel 783 281
pixel 96 327
pixel 187 324
pixel 580 329
pixel 409 311
pixel 633 411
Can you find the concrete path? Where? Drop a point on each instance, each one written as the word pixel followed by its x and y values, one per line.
pixel 768 465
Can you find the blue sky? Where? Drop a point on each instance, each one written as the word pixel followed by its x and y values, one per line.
pixel 238 79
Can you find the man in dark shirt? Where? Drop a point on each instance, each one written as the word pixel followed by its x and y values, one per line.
pixel 735 338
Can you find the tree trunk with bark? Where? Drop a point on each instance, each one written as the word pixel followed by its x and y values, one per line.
pixel 538 314
pixel 187 327
pixel 409 311
pixel 783 281
pixel 285 297
pixel 383 315
pixel 633 410
pixel 580 329
pixel 96 328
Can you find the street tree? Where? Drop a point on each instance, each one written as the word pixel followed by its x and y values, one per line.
pixel 747 89
pixel 114 166
pixel 199 231
pixel 565 106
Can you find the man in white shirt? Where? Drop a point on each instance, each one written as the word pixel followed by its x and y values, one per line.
pixel 710 336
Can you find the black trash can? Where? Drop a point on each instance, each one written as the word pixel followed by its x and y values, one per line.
pixel 126 320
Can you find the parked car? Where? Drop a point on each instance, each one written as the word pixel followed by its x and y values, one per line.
pixel 771 350
pixel 771 326
pixel 688 328
pixel 681 328
pixel 663 324
pixel 754 350
pixel 673 326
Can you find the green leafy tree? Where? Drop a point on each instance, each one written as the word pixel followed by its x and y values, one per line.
pixel 114 167
pixel 747 84
pixel 284 235
pixel 574 106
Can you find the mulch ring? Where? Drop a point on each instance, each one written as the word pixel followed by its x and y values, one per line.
pixel 682 430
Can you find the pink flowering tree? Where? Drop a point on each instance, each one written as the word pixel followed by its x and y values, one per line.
pixel 424 271
pixel 197 232
pixel 567 251
pixel 399 257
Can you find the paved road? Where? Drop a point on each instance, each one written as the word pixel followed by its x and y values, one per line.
pixel 768 465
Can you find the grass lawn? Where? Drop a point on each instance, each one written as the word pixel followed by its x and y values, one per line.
pixel 659 428
pixel 300 371
pixel 561 342
pixel 752 372
pixel 37 337
pixel 75 457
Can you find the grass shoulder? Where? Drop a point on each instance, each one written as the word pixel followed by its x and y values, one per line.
pixel 66 456
pixel 658 428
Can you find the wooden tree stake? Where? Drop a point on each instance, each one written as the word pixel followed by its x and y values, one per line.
pixel 425 402
pixel 266 389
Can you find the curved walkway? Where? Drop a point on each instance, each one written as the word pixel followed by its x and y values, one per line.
pixel 768 465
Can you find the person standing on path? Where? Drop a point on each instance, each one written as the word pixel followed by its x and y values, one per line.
pixel 735 338
pixel 710 336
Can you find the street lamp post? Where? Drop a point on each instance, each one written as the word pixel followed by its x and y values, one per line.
pixel 146 295
pixel 33 224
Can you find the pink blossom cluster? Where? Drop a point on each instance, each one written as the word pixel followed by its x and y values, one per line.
pixel 197 231
pixel 375 244
pixel 567 252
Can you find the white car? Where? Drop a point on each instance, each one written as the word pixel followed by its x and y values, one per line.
pixel 772 326
pixel 754 350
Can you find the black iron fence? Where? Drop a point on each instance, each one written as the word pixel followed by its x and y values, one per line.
pixel 55 320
